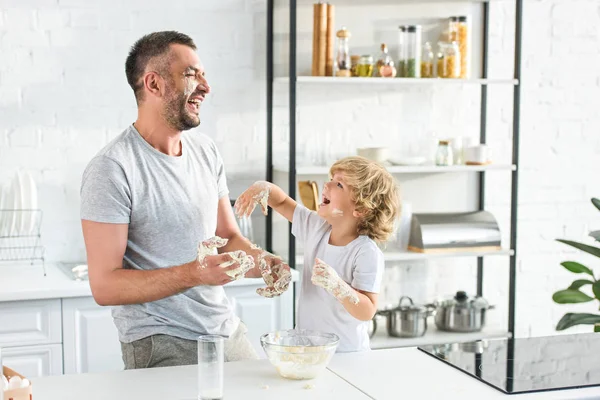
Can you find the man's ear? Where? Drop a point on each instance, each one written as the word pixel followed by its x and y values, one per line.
pixel 154 84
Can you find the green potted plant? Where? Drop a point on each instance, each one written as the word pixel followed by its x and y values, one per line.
pixel 574 294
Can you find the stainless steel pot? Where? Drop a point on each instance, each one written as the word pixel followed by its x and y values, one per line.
pixel 407 320
pixel 461 313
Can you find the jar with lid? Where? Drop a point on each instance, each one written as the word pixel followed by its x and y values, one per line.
pixel 385 65
pixel 460 30
pixel 444 156
pixel 342 60
pixel 365 66
pixel 427 61
pixel 413 51
pixel 401 71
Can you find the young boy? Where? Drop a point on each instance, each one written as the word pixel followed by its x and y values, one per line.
pixel 359 206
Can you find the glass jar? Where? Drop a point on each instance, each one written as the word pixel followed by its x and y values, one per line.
pixel 443 156
pixel 459 28
pixel 451 61
pixel 413 51
pixel 427 61
pixel 439 68
pixel 401 71
pixel 365 66
pixel 385 65
pixel 354 59
pixel 342 60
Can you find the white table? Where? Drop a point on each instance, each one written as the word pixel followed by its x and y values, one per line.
pixel 411 374
pixel 243 380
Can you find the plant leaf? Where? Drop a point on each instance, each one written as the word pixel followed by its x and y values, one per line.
pixel 595 235
pixel 596 202
pixel 595 251
pixel 579 283
pixel 597 328
pixel 596 289
pixel 571 319
pixel 568 296
pixel 577 268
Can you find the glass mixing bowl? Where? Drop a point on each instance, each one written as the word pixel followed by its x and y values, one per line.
pixel 299 354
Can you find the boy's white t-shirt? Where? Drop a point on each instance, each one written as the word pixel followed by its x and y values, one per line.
pixel 360 264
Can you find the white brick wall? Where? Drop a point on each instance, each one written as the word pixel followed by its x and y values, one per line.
pixel 63 95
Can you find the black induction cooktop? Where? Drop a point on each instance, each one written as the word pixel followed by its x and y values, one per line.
pixel 529 364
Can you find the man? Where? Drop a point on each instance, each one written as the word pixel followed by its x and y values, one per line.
pixel 148 199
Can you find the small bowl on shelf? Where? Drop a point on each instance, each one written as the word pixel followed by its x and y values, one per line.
pixel 299 354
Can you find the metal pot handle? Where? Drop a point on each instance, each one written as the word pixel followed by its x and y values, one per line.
pixel 405 297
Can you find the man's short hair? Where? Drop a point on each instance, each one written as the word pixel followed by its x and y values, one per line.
pixel 147 48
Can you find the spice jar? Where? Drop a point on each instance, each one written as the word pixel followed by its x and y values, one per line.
pixel 365 66
pixel 443 156
pixel 427 61
pixel 342 60
pixel 385 65
pixel 400 70
pixel 413 51
pixel 354 59
pixel 460 30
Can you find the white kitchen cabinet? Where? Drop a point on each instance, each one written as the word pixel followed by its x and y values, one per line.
pixel 30 322
pixel 261 315
pixel 91 342
pixel 34 361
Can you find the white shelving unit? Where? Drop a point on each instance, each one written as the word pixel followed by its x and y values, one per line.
pixel 394 81
pixel 381 340
pixel 414 256
pixel 398 169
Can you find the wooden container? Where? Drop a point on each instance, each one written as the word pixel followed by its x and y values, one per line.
pixel 16 394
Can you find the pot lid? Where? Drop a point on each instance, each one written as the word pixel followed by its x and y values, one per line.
pixel 406 304
pixel 461 299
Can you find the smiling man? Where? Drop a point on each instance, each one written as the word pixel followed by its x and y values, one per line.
pixel 148 199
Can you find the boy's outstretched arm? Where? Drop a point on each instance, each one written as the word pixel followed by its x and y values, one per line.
pixel 361 305
pixel 265 194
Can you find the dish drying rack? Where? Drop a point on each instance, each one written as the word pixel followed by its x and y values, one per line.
pixel 21 239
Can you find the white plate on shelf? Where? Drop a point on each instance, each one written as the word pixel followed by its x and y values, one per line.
pixel 408 161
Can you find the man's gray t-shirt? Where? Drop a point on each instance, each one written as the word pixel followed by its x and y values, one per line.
pixel 170 204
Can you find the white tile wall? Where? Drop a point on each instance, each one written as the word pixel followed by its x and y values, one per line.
pixel 63 95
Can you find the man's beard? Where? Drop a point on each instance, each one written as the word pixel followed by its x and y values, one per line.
pixel 177 115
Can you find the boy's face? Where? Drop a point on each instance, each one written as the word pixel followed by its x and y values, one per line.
pixel 336 199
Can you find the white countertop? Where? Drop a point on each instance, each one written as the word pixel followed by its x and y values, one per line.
pixel 243 380
pixel 411 374
pixel 27 282
pixel 381 374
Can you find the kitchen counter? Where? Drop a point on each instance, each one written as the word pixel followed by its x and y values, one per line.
pixel 243 380
pixel 27 282
pixel 381 374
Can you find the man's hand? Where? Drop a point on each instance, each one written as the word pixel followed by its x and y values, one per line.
pixel 258 193
pixel 276 274
pixel 210 271
pixel 235 264
pixel 324 276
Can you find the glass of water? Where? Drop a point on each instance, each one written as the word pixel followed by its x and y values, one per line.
pixel 211 359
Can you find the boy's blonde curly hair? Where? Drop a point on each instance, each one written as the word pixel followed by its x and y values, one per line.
pixel 375 193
